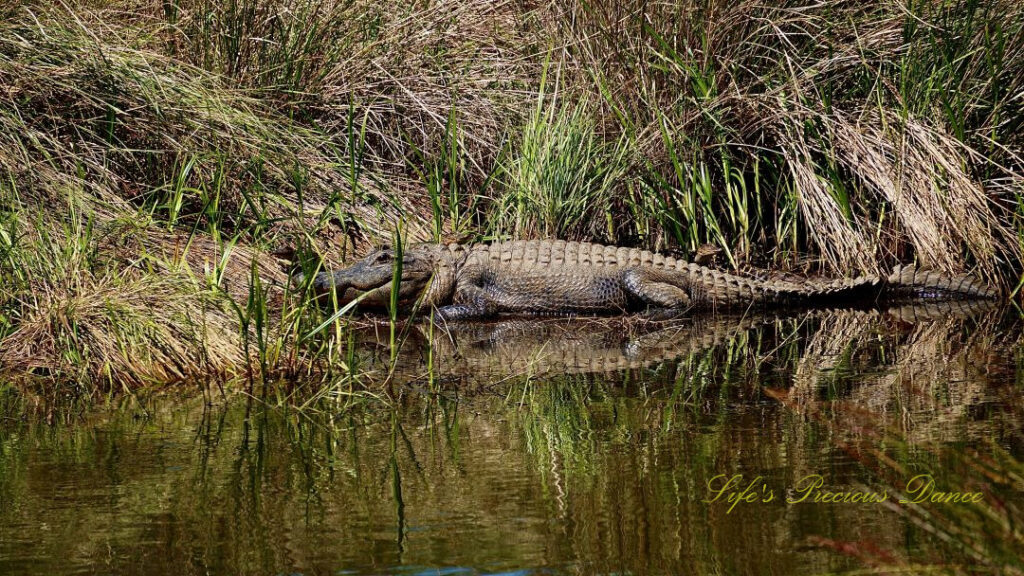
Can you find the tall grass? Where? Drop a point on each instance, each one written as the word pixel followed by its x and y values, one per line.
pixel 230 142
pixel 809 103
pixel 561 181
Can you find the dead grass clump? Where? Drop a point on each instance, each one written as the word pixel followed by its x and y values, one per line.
pixel 83 314
pixel 891 131
pixel 116 333
pixel 166 136
pixel 382 79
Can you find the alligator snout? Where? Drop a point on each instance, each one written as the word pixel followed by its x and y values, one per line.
pixel 349 279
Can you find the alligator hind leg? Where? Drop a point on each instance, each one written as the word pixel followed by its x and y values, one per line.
pixel 657 289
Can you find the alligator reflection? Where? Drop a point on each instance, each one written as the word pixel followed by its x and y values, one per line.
pixel 556 446
pixel 479 352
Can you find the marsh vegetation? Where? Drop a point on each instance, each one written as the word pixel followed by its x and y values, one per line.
pixel 163 165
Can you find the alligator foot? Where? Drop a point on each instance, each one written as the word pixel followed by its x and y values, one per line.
pixel 455 312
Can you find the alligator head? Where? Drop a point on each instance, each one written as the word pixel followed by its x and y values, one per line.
pixel 371 278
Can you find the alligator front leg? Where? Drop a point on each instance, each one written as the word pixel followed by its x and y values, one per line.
pixel 470 302
pixel 657 289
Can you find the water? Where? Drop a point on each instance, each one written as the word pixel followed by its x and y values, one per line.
pixel 567 446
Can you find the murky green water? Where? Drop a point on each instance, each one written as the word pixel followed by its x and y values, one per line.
pixel 553 447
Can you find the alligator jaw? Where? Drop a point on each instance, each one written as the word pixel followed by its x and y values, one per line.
pixel 371 281
pixel 361 278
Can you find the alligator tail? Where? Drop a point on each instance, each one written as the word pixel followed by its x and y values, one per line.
pixel 903 284
pixel 910 281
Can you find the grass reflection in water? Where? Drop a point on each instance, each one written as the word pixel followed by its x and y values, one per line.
pixel 564 446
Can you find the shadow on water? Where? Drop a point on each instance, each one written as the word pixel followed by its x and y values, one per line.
pixel 556 446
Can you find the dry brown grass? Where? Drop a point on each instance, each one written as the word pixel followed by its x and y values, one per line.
pixel 198 139
pixel 888 150
pixel 95 310
pixel 126 121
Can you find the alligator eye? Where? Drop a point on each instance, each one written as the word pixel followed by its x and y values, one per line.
pixel 382 258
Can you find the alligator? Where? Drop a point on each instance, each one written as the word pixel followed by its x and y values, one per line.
pixel 556 277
